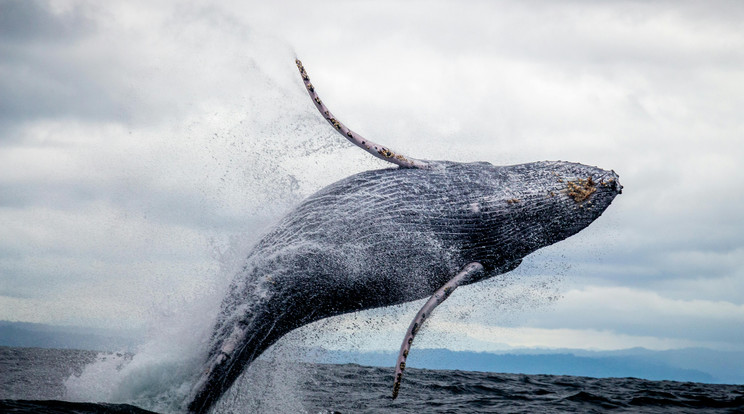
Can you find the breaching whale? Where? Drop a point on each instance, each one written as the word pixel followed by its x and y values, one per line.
pixel 389 236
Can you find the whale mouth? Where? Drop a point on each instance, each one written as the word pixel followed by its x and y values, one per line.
pixel 611 181
pixel 581 189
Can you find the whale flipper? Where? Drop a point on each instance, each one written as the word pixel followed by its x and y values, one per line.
pixel 379 151
pixel 435 300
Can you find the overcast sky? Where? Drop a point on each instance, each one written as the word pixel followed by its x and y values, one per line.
pixel 145 145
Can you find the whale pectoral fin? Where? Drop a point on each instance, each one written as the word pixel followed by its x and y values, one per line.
pixel 435 300
pixel 379 151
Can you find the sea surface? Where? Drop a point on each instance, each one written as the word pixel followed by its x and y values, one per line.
pixel 32 380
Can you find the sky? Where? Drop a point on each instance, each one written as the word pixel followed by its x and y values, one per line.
pixel 144 146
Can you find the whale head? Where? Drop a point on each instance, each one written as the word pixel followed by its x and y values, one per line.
pixel 511 211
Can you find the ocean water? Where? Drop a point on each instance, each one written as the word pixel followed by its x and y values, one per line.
pixel 32 380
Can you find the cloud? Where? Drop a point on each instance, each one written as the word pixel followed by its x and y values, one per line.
pixel 626 311
pixel 46 65
pixel 137 137
pixel 117 214
pixel 30 21
pixel 599 318
pixel 525 337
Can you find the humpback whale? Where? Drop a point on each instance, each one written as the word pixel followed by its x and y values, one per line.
pixel 389 236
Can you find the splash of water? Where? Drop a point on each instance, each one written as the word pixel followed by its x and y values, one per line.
pixel 251 159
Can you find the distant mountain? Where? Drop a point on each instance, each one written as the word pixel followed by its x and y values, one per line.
pixel 694 365
pixel 23 334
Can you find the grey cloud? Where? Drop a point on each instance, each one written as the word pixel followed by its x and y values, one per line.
pixel 519 81
pixel 57 195
pixel 158 204
pixel 49 82
pixel 24 21
pixel 567 34
pixel 644 319
pixel 36 78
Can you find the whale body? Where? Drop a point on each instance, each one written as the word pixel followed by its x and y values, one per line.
pixel 389 236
